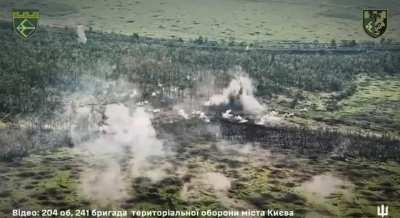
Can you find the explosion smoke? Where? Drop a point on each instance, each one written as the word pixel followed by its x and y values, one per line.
pixel 119 140
pixel 80 31
pixel 241 87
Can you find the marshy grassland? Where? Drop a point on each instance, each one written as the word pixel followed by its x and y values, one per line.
pixel 241 20
pixel 123 121
pixel 224 178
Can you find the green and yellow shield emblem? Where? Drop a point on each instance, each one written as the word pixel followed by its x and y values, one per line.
pixel 375 22
pixel 25 22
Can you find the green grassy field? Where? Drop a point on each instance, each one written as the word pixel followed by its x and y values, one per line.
pixel 241 20
pixel 269 179
pixel 373 106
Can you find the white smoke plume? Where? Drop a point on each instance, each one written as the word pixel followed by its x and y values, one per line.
pixel 201 115
pixel 118 140
pixel 123 136
pixel 240 86
pixel 183 114
pixel 272 119
pixel 80 31
pixel 104 185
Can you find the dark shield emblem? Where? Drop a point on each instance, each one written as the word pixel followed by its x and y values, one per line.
pixel 25 22
pixel 375 22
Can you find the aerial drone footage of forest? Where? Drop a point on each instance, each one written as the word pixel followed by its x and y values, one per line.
pixel 234 108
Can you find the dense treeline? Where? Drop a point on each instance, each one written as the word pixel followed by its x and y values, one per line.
pixel 316 143
pixel 35 72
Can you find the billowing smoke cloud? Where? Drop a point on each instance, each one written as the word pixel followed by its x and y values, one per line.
pixel 241 91
pixel 119 141
pixel 240 88
pixel 80 31
pixel 124 144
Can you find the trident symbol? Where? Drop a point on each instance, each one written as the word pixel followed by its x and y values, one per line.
pixel 383 211
pixel 25 25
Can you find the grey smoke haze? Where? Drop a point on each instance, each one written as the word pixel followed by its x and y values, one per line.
pixel 124 135
pixel 271 119
pixel 240 83
pixel 217 181
pixel 80 31
pixel 118 140
pixel 104 185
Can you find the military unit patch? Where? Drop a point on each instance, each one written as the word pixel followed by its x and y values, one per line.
pixel 375 22
pixel 25 22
